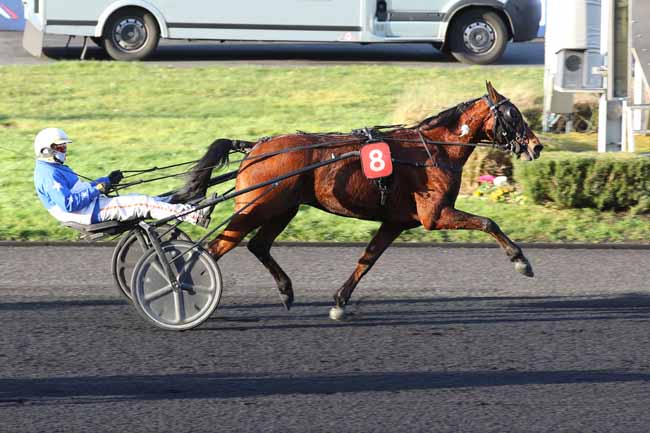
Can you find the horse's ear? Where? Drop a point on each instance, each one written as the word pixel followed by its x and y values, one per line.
pixel 494 95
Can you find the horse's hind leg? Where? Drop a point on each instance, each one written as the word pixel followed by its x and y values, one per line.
pixel 453 219
pixel 386 234
pixel 233 234
pixel 260 245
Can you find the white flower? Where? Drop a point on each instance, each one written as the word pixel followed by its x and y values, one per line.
pixel 500 180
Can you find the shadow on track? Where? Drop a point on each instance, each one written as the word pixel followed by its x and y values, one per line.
pixel 431 312
pixel 390 312
pixel 79 390
pixel 633 301
pixel 62 305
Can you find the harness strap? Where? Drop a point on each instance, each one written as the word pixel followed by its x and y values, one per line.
pixel 384 184
pixel 439 165
pixel 299 148
pixel 424 144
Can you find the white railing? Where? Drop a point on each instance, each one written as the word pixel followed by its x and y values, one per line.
pixel 633 119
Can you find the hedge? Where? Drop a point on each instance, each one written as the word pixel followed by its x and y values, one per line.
pixel 587 180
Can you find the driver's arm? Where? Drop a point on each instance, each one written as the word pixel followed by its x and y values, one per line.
pixel 70 201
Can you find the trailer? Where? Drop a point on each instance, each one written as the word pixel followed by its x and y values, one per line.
pixel 474 31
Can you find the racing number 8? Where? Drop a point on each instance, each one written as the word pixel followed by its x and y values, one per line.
pixel 376 160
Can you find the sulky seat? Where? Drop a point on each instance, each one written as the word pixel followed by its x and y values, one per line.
pixel 103 229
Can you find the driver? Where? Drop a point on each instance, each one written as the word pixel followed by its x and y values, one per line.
pixel 69 199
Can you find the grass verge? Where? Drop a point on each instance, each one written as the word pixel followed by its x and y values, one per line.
pixel 132 116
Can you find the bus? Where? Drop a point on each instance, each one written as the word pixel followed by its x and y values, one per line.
pixel 473 31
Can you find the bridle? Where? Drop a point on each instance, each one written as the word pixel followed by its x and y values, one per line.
pixel 509 128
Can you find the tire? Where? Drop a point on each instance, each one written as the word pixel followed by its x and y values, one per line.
pixel 478 37
pixel 196 296
pixel 131 34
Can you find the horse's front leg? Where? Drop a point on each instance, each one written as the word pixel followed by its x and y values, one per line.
pixel 383 238
pixel 453 219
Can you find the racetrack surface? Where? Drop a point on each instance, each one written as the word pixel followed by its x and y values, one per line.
pixel 439 339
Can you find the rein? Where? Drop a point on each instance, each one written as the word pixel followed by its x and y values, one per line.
pixel 155 168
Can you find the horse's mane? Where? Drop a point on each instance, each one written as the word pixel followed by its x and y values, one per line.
pixel 447 117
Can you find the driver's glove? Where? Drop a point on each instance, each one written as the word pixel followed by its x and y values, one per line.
pixel 115 177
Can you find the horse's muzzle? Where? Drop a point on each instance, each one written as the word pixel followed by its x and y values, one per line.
pixel 531 154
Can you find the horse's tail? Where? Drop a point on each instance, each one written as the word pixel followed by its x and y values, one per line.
pixel 198 180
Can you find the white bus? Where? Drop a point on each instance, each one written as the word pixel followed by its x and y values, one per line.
pixel 474 31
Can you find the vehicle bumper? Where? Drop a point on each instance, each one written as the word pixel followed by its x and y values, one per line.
pixel 524 17
pixel 33 39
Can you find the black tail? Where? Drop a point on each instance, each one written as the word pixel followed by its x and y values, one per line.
pixel 199 177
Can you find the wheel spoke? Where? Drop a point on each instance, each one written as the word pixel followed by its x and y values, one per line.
pixel 156 267
pixel 179 306
pixel 202 289
pixel 149 297
pixel 188 263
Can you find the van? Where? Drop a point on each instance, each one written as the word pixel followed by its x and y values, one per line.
pixel 473 31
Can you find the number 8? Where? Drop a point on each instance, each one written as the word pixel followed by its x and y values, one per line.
pixel 377 162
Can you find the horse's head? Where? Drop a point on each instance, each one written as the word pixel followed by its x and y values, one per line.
pixel 507 127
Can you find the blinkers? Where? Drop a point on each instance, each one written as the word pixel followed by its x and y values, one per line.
pixel 509 126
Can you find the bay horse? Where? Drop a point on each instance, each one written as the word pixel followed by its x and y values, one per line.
pixel 428 160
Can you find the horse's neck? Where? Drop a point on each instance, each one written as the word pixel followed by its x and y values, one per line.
pixel 470 128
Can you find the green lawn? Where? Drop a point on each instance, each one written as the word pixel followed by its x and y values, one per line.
pixel 132 116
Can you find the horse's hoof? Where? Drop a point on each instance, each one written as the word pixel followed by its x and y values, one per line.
pixel 524 268
pixel 287 300
pixel 337 313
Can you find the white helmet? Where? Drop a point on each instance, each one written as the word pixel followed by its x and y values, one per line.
pixel 46 138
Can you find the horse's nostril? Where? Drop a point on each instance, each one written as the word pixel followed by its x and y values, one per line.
pixel 538 149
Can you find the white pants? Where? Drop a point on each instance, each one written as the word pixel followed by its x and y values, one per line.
pixel 132 206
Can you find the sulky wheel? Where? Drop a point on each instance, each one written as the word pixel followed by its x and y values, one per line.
pixel 198 293
pixel 129 250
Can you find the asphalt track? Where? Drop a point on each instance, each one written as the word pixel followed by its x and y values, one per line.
pixel 439 340
pixel 203 53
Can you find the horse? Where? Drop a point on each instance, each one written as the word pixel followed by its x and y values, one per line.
pixel 428 159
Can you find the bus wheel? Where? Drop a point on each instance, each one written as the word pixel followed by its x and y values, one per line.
pixel 131 34
pixel 478 37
